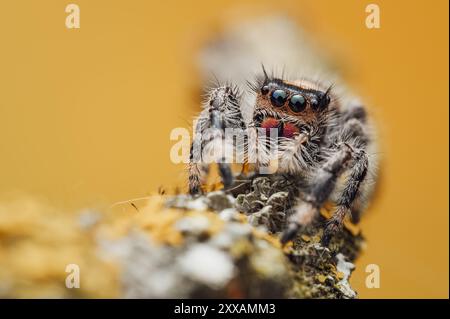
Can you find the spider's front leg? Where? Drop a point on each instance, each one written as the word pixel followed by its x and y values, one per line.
pixel 221 111
pixel 321 186
pixel 323 182
pixel 349 194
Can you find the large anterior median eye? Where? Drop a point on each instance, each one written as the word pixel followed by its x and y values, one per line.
pixel 278 98
pixel 297 103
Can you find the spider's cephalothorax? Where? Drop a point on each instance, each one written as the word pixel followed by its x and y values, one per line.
pixel 320 143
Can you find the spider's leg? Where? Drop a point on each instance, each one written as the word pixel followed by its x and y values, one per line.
pixel 218 124
pixel 322 185
pixel 221 111
pixel 356 111
pixel 354 134
pixel 197 169
pixel 349 194
pixel 197 172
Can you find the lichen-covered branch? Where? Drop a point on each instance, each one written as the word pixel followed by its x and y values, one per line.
pixel 212 246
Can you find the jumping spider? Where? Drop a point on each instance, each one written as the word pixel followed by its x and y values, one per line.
pixel 322 144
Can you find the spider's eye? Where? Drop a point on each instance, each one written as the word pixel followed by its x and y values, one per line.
pixel 265 89
pixel 320 103
pixel 278 98
pixel 297 103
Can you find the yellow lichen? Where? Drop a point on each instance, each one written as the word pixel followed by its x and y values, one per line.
pixel 321 278
pixel 268 237
pixel 37 244
pixel 306 238
pixel 340 275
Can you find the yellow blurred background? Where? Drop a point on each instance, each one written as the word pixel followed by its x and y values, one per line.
pixel 85 114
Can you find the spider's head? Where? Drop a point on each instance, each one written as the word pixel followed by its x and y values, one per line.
pixel 290 104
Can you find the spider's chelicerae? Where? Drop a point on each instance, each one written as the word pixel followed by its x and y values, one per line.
pixel 321 144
